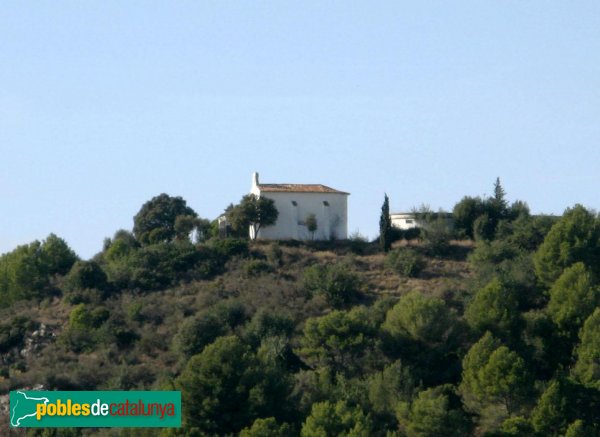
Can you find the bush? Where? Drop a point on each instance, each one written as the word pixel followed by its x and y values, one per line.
pixel 13 333
pixel 256 267
pixel 266 324
pixel 411 234
pixel 232 312
pixel 230 247
pixel 208 263
pixel 436 236
pixel 336 282
pixel 358 243
pixel 197 332
pixel 87 295
pixel 405 261
pixel 163 265
pixel 275 254
pixel 86 275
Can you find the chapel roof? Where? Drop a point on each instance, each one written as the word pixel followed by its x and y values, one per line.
pixel 298 188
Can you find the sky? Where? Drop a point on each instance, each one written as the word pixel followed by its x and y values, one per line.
pixel 105 104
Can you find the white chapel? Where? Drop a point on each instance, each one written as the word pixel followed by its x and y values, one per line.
pixel 295 202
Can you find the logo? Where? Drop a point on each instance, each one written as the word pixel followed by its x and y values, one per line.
pixel 58 409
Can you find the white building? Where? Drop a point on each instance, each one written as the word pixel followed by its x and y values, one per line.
pixel 410 220
pixel 404 220
pixel 295 202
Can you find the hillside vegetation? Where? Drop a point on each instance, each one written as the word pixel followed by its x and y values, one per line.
pixel 491 329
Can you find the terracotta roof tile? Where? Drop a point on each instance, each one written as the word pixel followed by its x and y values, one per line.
pixel 298 188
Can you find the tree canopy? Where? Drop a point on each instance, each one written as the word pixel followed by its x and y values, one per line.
pixel 574 238
pixel 587 367
pixel 155 222
pixel 252 212
pixel 385 225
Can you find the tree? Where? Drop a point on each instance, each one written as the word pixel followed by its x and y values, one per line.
pixel 267 428
pixel 338 340
pixel 420 318
pixel 24 274
pixel 84 275
pixel 471 385
pixel 197 332
pixel 465 213
pixel 155 221
pixel 265 324
pixel 580 429
pixel 587 367
pixel 252 212
pixel 574 238
pixel 493 375
pixel 311 225
pixel 495 308
pixel 395 383
pixel 552 412
pixel 505 379
pixel 518 209
pixel 498 200
pixel 573 297
pixel 385 225
pixel 484 227
pixel 423 333
pixel 187 226
pixel 562 402
pixel 226 387
pixel 329 419
pixel 120 246
pixel 517 426
pixel 435 412
pixel 58 256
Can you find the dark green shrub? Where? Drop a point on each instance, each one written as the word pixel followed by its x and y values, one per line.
pixel 85 317
pixel 87 295
pixel 165 264
pixel 83 332
pixel 405 261
pixel 13 333
pixel 229 247
pixel 209 263
pixel 358 243
pixel 436 237
pixel 411 234
pixel 256 267
pixel 275 254
pixel 265 324
pixel 86 275
pixel 123 336
pixel 232 312
pixel 336 282
pixel 197 332
pixel 484 228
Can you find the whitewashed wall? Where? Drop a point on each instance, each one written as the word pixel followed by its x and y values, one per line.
pixel 404 221
pixel 332 220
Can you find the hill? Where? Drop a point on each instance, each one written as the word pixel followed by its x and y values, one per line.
pixel 495 335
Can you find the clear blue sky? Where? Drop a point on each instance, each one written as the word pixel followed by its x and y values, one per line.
pixel 105 104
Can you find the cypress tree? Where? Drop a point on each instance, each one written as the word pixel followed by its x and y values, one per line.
pixel 385 226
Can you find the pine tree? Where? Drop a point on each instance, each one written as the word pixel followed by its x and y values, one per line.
pixel 385 226
pixel 499 200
